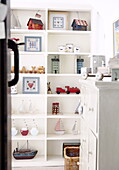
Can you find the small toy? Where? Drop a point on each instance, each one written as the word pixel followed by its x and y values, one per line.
pixel 55 108
pixel 76 49
pixel 68 91
pixel 33 69
pixel 79 65
pixel 12 69
pixel 14 89
pixel 74 129
pixel 48 88
pixel 35 24
pixel 59 128
pixel 55 65
pixel 69 48
pixel 78 24
pixel 41 70
pixel 23 70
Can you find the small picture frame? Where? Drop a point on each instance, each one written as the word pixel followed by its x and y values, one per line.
pixel 116 38
pixel 31 85
pixel 58 20
pixel 33 44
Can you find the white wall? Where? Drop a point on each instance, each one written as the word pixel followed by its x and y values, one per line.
pixel 108 13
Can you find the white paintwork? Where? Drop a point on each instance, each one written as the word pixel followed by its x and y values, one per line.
pixel 100 118
pixel 48 143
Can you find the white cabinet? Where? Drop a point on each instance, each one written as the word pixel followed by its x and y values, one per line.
pixel 48 144
pixel 101 124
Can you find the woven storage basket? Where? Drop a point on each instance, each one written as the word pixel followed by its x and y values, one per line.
pixel 71 157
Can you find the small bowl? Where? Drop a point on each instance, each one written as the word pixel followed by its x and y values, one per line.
pixel 24 131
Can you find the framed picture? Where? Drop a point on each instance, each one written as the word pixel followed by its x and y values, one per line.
pixel 116 38
pixel 58 20
pixel 33 44
pixel 31 85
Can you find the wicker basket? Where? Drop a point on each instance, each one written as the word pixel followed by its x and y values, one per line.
pixel 71 155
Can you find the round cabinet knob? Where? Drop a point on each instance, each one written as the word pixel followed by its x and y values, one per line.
pixel 99 76
pixel 90 153
pixel 91 109
pixel 84 140
pixel 84 75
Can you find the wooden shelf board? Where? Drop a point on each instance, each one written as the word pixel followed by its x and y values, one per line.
pixel 27 116
pixel 37 161
pixel 63 75
pixel 29 53
pixel 52 160
pixel 29 137
pixel 68 32
pixel 63 137
pixel 65 53
pixel 26 31
pixel 63 95
pixel 65 116
pixel 27 95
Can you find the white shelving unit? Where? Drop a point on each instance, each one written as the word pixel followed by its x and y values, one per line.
pixel 48 144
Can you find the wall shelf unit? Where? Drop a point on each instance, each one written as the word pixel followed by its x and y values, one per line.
pixel 48 144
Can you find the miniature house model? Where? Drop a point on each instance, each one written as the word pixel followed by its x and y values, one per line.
pixel 35 24
pixel 78 24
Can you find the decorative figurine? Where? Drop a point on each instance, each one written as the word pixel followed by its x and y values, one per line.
pixel 27 153
pixel 79 65
pixel 80 25
pixel 49 88
pixel 35 24
pixel 74 129
pixel 76 49
pixel 59 128
pixel 22 107
pixel 14 131
pixel 14 89
pixel 55 108
pixel 55 65
pixel 41 70
pixel 68 91
pixel 62 48
pixel 69 48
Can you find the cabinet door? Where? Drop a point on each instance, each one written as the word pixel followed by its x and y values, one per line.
pixel 90 107
pixel 84 146
pixel 91 151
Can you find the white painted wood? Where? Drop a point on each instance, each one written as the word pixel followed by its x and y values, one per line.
pixel 101 138
pixel 49 144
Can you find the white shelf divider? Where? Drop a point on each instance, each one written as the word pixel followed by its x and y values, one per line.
pixel 27 31
pixel 63 137
pixel 29 137
pixel 27 116
pixel 66 53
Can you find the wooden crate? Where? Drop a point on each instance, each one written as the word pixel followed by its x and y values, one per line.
pixel 71 157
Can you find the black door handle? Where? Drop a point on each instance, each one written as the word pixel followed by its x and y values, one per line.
pixel 12 45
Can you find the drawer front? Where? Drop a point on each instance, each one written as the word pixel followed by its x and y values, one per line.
pixel 91 151
pixel 89 103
